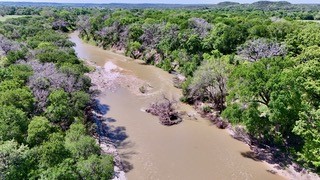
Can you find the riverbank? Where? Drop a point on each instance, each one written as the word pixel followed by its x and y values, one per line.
pixel 190 150
pixel 112 77
pixel 104 79
pixel 106 144
pixel 278 161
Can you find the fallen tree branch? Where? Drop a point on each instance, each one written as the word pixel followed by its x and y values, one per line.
pixel 165 110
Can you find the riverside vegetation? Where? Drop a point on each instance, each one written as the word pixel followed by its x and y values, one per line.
pixel 44 132
pixel 255 65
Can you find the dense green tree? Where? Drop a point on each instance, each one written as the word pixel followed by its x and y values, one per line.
pixel 302 38
pixel 10 84
pixel 209 82
pixel 96 167
pixel 229 38
pixel 20 98
pixel 59 109
pixel 78 143
pixel 40 67
pixel 80 100
pixel 308 127
pixel 13 123
pixel 16 72
pixel 309 117
pixel 261 90
pixel 64 170
pixel 13 160
pixel 53 151
pixel 39 130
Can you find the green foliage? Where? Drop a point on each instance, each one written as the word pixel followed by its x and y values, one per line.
pixel 13 160
pixel 13 56
pixel 80 100
pixel 64 170
pixel 10 84
pixel 73 69
pixel 56 56
pixel 262 88
pixel 78 143
pixel 133 49
pixel 96 167
pixel 49 36
pixel 59 109
pixel 20 98
pixel 308 127
pixel 229 38
pixel 53 151
pixel 16 72
pixel 209 82
pixel 276 99
pixel 39 130
pixel 302 38
pixel 13 123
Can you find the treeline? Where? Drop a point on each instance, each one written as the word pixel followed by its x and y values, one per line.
pixel 280 8
pixel 258 69
pixel 44 131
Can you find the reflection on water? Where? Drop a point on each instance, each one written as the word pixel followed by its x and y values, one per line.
pixel 194 149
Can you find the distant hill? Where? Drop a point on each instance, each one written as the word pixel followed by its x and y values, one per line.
pixel 263 5
pixel 228 3
pixel 110 5
pixel 268 3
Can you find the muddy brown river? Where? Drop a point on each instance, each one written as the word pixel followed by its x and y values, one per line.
pixel 193 149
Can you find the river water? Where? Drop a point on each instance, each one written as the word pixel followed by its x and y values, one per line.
pixel 193 149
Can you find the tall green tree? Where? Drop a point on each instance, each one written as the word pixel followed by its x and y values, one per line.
pixel 13 160
pixel 39 130
pixel 13 123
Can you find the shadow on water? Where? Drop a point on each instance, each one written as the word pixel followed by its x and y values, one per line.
pixel 115 135
pixel 272 155
pixel 100 109
pixel 250 155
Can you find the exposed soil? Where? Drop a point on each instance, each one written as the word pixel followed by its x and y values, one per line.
pixel 111 77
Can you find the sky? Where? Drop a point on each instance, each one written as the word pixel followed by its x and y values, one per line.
pixel 161 1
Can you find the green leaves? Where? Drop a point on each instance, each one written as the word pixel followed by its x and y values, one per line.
pixel 209 83
pixel 52 152
pixel 13 123
pixel 20 98
pixel 96 167
pixel 268 95
pixel 39 130
pixel 79 144
pixel 55 150
pixel 13 160
pixel 308 127
pixel 59 109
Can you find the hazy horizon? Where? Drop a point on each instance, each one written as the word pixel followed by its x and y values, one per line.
pixel 158 1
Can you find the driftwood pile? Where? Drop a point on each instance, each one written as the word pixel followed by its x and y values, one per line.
pixel 166 111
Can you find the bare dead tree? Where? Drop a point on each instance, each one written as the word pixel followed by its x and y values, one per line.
pixel 253 50
pixel 165 110
pixel 7 45
pixel 47 78
pixel 152 35
pixel 60 24
pixel 201 26
pixel 84 25
pixel 123 35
